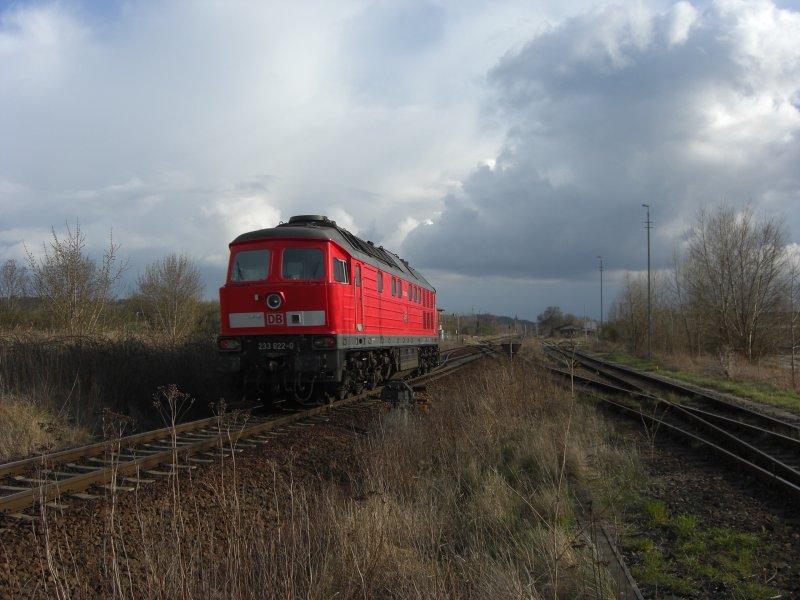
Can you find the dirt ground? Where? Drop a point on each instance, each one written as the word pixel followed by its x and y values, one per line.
pixel 691 484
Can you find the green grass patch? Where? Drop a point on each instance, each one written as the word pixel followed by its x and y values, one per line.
pixel 756 390
pixel 632 361
pixel 657 570
pixel 656 513
pixel 746 388
pixel 679 556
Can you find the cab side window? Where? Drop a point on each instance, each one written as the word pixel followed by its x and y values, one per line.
pixel 340 270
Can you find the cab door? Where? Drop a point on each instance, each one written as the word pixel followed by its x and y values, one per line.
pixel 359 299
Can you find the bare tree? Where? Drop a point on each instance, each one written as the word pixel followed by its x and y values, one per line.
pixel 630 311
pixel 794 314
pixel 13 283
pixel 681 303
pixel 735 278
pixel 170 291
pixel 73 286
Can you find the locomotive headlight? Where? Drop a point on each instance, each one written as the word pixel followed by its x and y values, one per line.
pixel 229 344
pixel 274 301
pixel 324 341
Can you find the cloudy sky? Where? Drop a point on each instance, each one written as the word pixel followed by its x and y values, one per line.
pixel 499 145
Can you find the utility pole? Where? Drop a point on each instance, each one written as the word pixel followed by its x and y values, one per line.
pixel 649 225
pixel 600 332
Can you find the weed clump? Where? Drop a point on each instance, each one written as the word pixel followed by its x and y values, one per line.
pixel 28 428
pixel 700 556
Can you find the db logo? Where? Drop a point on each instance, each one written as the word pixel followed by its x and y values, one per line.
pixel 275 319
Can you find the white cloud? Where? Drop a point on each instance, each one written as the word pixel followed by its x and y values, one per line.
pixel 37 45
pixel 683 17
pixel 764 36
pixel 235 216
pixel 180 125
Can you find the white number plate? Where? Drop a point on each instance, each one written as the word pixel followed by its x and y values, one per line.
pixel 276 345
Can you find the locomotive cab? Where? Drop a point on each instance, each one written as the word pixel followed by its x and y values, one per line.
pixel 275 304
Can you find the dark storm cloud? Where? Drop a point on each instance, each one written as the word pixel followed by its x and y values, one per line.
pixel 611 110
pixel 179 128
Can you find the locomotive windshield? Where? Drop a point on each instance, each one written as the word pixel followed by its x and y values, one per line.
pixel 303 264
pixel 250 265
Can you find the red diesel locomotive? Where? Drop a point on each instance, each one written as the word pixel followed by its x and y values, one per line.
pixel 308 308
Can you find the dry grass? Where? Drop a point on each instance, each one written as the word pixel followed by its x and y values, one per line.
pixel 490 478
pixel 77 378
pixel 27 428
pixel 474 500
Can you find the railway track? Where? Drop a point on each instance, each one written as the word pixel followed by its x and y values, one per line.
pixel 127 462
pixel 758 443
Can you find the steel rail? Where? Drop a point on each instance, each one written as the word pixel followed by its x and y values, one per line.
pixel 631 376
pixel 223 437
pixel 676 417
pixel 227 437
pixel 98 448
pixel 753 468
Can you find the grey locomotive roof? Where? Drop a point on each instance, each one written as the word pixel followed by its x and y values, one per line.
pixel 321 227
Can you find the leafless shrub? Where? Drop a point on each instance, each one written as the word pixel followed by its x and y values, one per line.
pixel 74 287
pixel 170 291
pixel 13 284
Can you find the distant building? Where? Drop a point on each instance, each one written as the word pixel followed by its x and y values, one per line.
pixel 569 330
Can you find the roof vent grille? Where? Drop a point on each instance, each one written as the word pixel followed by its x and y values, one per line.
pixel 315 219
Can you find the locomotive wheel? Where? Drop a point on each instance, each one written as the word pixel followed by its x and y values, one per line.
pixel 343 387
pixel 373 380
